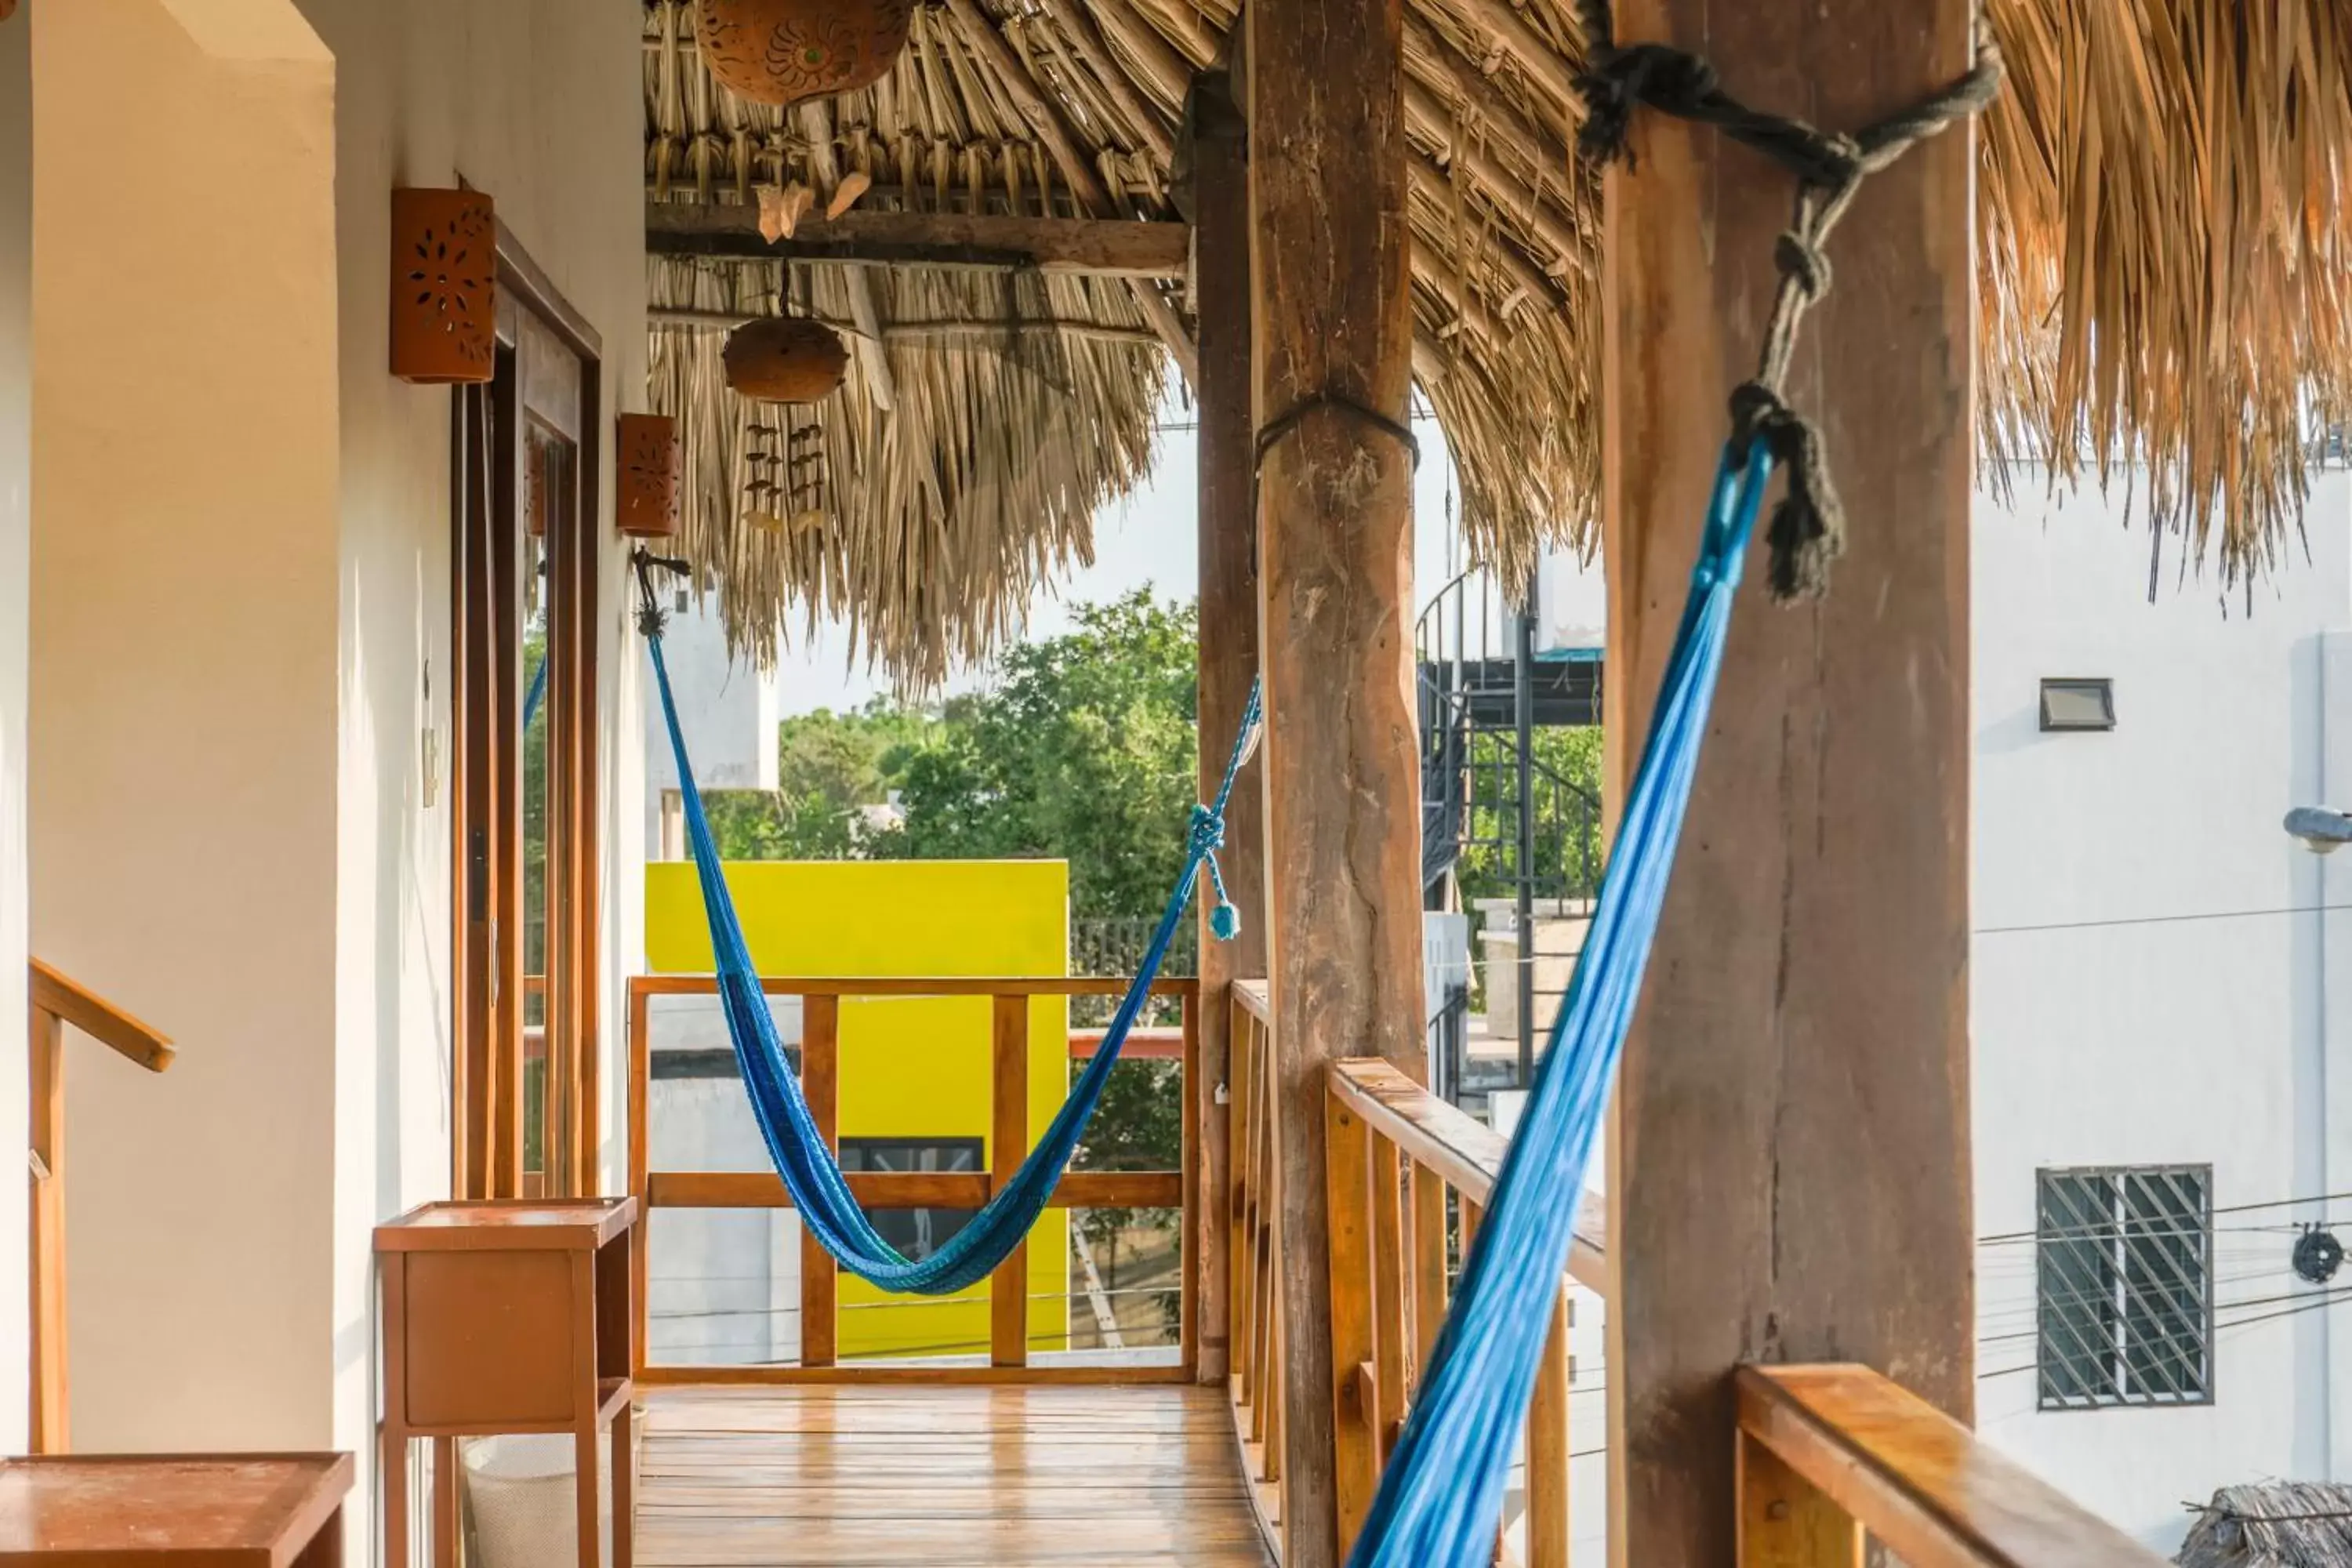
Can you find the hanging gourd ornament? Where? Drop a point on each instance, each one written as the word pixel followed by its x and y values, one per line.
pixel 786 359
pixel 781 51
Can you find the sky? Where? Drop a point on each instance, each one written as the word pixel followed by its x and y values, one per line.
pixel 1148 538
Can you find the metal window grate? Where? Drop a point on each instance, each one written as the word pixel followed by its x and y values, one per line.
pixel 2124 1283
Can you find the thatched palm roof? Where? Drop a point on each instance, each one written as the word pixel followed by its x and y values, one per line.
pixel 2282 1525
pixel 2164 258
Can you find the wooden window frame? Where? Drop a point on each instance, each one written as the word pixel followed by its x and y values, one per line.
pixel 487 1136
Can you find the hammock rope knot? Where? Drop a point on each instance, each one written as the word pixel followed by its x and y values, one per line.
pixel 1808 529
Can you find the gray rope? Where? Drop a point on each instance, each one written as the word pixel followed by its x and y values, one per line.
pixel 1808 528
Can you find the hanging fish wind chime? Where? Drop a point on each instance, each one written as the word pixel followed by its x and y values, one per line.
pixel 786 489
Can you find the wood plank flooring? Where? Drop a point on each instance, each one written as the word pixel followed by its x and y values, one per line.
pixel 849 1477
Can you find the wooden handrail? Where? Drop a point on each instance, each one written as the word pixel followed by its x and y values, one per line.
pixel 1828 1453
pixel 1460 1148
pixel 110 1026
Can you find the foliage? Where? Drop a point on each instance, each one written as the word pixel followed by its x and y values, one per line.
pixel 828 766
pixel 1567 857
pixel 1084 750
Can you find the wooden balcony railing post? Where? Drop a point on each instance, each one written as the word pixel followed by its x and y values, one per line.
pixel 1428 1263
pixel 1389 1329
pixel 821 1082
pixel 1348 1168
pixel 1785 1521
pixel 1008 1290
pixel 1548 1446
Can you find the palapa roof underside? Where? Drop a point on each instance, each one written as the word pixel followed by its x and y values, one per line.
pixel 2163 253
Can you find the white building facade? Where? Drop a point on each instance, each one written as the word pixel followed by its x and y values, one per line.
pixel 2161 999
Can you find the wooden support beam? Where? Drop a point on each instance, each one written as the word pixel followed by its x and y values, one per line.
pixel 1085 184
pixel 1228 630
pixel 1793 1124
pixel 1106 248
pixel 1331 265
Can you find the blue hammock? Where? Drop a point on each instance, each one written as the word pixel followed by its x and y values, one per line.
pixel 537 694
pixel 810 1172
pixel 1440 1496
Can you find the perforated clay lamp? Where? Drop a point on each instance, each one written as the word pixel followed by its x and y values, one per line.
pixel 785 359
pixel 646 506
pixel 781 51
pixel 445 268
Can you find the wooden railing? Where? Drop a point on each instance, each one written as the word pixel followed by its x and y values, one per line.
pixel 1409 1177
pixel 57 1002
pixel 1011 1135
pixel 1830 1457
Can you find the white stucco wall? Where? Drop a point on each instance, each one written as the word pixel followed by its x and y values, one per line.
pixel 2146 971
pixel 539 103
pixel 729 711
pixel 15 604
pixel 242 580
pixel 183 712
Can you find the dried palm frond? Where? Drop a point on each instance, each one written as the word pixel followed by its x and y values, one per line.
pixel 2163 253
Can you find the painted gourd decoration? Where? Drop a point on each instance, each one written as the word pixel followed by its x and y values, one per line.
pixel 785 359
pixel 781 51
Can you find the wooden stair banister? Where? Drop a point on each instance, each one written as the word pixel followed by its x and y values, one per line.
pixel 57 1002
pixel 109 1025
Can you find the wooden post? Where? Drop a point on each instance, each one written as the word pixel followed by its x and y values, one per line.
pixel 820 1083
pixel 1008 1288
pixel 1792 1131
pixel 1330 265
pixel 1228 621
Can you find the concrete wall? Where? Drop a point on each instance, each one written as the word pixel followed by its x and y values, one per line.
pixel 539 103
pixel 184 705
pixel 242 580
pixel 16 608
pixel 2147 968
pixel 729 711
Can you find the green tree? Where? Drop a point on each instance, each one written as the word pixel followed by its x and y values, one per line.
pixel 828 766
pixel 1567 857
pixel 1083 750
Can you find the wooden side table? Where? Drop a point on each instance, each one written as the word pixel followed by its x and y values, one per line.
pixel 507 1317
pixel 223 1510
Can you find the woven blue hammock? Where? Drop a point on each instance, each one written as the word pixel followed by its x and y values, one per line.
pixel 1440 1496
pixel 810 1172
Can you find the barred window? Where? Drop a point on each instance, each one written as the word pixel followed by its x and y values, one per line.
pixel 915 1232
pixel 2124 1278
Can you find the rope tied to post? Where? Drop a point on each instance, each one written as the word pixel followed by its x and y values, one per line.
pixel 1808 529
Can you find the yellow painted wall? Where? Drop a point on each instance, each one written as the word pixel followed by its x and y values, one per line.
pixel 910 1067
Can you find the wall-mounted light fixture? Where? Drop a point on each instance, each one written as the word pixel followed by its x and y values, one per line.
pixel 2078 702
pixel 444 257
pixel 647 503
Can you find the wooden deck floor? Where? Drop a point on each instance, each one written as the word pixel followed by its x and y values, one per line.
pixel 1137 1476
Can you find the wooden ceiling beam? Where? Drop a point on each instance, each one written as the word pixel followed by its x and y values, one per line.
pixel 1097 247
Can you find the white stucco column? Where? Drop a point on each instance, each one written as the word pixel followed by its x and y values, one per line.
pixel 15 542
